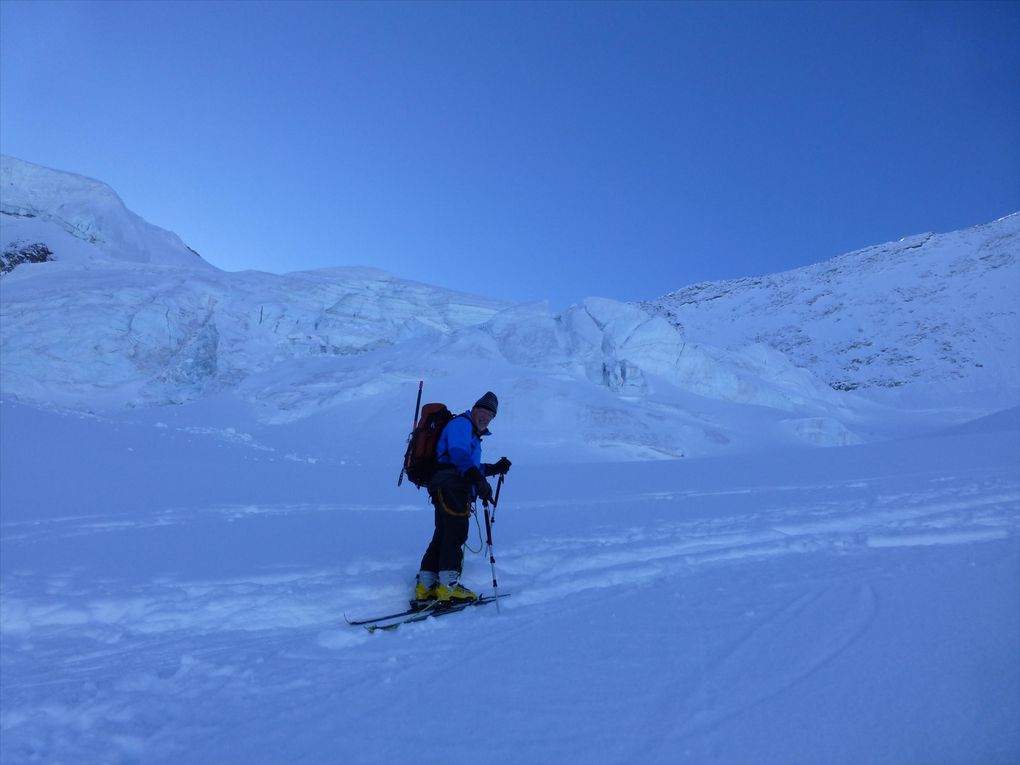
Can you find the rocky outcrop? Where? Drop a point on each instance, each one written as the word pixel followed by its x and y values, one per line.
pixel 17 253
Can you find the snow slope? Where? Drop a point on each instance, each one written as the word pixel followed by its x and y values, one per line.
pixel 37 203
pixel 938 311
pixel 807 606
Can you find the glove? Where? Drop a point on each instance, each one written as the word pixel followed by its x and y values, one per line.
pixel 498 468
pixel 482 489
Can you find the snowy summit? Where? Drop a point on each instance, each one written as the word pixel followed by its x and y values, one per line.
pixel 42 204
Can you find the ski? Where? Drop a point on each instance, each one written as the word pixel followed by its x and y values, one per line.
pixel 438 609
pixel 416 608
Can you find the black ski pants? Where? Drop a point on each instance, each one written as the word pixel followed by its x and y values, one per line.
pixel 451 496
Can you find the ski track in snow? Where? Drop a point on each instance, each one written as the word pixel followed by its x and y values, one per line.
pixel 82 655
pixel 968 514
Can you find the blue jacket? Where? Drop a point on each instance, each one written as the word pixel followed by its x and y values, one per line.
pixel 460 444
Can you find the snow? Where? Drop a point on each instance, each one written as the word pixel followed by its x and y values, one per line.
pixel 940 309
pixel 87 210
pixel 177 595
pixel 199 480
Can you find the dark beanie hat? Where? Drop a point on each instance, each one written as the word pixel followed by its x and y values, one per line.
pixel 488 401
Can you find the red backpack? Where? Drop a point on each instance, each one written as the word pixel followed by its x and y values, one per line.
pixel 420 459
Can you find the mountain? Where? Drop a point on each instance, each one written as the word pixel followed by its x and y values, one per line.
pixel 83 218
pixel 199 480
pixel 123 315
pixel 937 310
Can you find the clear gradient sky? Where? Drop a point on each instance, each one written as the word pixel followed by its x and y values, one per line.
pixel 527 151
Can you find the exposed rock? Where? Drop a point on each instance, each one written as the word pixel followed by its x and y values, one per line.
pixel 17 253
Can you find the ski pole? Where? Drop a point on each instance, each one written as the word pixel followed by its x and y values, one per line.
pixel 495 501
pixel 492 558
pixel 414 424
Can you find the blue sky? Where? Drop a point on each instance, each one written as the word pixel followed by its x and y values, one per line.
pixel 527 151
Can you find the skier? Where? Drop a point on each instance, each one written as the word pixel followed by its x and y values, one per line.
pixel 460 479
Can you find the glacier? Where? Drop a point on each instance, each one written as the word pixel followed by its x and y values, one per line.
pixel 125 315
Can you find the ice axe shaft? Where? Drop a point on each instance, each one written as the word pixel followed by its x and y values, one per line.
pixel 417 405
pixel 414 424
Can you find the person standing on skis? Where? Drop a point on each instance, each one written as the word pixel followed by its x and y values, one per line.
pixel 458 481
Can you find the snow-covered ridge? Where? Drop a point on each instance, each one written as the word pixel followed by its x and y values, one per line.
pixel 934 309
pixel 707 370
pixel 86 209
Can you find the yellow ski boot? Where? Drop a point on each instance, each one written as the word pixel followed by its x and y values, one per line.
pixel 424 595
pixel 454 593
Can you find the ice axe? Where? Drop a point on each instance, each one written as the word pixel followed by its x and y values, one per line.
pixel 414 425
